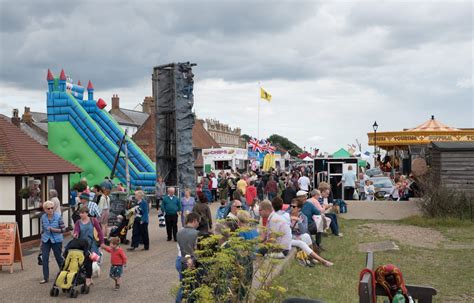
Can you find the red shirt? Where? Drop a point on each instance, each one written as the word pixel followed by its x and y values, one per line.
pixel 117 256
pixel 250 194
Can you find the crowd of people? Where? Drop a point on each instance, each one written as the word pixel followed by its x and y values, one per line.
pixel 281 208
pixel 89 225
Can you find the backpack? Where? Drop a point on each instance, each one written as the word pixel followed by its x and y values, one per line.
pixel 391 279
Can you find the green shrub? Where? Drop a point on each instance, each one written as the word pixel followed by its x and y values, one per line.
pixel 24 193
pixel 226 271
pixel 439 201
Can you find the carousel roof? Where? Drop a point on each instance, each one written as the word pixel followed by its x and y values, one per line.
pixel 433 125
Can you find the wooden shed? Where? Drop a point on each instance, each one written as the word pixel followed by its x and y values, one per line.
pixel 452 165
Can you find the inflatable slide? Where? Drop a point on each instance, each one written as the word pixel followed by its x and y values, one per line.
pixel 83 132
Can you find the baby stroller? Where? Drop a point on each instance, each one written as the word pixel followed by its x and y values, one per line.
pixel 122 228
pixel 73 271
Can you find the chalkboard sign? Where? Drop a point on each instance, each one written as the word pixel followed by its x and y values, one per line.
pixel 118 203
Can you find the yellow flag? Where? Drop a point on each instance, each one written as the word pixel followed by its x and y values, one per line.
pixel 265 95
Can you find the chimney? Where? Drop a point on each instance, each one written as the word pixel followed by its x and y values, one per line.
pixel 148 105
pixel 27 116
pixel 15 119
pixel 115 102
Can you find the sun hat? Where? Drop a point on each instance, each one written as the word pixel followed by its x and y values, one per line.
pixel 84 196
pixel 301 193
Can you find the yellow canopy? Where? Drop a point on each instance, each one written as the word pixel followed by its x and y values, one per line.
pixel 430 131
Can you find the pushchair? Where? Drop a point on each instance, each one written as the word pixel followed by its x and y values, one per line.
pixel 73 271
pixel 122 228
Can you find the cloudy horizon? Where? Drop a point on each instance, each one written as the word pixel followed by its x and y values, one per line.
pixel 333 68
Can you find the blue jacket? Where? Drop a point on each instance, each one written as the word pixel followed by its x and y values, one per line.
pixel 57 223
pixel 171 205
pixel 309 210
pixel 144 211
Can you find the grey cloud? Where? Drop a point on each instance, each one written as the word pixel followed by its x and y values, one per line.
pixel 410 24
pixel 388 47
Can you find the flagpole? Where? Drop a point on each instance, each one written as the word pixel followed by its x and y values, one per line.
pixel 258 112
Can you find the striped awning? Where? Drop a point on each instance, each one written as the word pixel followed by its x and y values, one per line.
pixel 433 125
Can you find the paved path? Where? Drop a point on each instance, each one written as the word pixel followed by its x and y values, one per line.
pixel 148 278
pixel 380 210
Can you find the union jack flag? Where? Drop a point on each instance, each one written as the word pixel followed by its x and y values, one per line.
pixel 268 147
pixel 255 145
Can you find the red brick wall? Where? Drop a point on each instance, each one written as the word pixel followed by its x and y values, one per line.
pixel 145 137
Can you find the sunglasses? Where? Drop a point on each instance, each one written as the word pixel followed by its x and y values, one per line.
pixel 49 208
pixel 238 206
pixel 293 206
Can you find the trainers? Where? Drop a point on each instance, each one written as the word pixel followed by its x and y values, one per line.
pixel 131 248
pixel 117 287
pixel 314 261
pixel 340 235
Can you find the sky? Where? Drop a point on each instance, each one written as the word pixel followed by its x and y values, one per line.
pixel 332 67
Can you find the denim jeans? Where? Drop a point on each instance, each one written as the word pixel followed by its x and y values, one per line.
pixel 45 250
pixel 334 225
pixel 271 196
pixel 179 268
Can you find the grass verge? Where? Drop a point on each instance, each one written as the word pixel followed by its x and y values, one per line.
pixel 450 271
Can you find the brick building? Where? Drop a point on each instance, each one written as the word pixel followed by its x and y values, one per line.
pixel 143 130
pixel 223 134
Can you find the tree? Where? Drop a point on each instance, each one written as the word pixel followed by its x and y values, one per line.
pixel 285 143
pixel 246 137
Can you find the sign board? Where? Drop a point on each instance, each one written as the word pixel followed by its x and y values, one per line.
pixel 420 137
pixel 118 203
pixel 10 247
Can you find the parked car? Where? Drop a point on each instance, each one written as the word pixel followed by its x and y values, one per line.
pixel 384 186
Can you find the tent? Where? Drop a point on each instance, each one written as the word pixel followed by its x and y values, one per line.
pixel 341 153
pixel 308 159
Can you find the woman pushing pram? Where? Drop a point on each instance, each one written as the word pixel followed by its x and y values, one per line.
pixel 89 229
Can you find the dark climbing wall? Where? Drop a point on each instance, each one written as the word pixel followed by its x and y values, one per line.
pixel 174 100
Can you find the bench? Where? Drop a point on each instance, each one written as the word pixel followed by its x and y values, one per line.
pixel 420 294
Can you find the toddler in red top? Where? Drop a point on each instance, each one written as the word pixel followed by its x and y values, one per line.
pixel 118 260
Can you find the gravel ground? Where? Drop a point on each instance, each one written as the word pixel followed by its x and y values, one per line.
pixel 380 210
pixel 148 277
pixel 408 235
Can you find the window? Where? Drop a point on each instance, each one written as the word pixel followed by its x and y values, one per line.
pixel 222 165
pixel 36 192
pixel 51 185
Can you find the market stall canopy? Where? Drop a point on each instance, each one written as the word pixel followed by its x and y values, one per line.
pixel 430 131
pixel 307 159
pixel 341 153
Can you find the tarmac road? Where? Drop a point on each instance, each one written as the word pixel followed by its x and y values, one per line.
pixel 148 277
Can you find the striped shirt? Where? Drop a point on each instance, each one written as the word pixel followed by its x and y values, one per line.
pixel 94 210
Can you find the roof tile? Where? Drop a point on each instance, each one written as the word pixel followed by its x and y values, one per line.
pixel 21 155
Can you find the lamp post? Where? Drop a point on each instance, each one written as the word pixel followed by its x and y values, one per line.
pixel 375 126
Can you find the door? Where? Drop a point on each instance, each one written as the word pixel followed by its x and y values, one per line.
pixel 335 175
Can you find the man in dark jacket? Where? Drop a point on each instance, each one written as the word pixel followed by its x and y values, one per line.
pixel 289 193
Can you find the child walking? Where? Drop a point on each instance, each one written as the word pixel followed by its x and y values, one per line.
pixel 118 260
